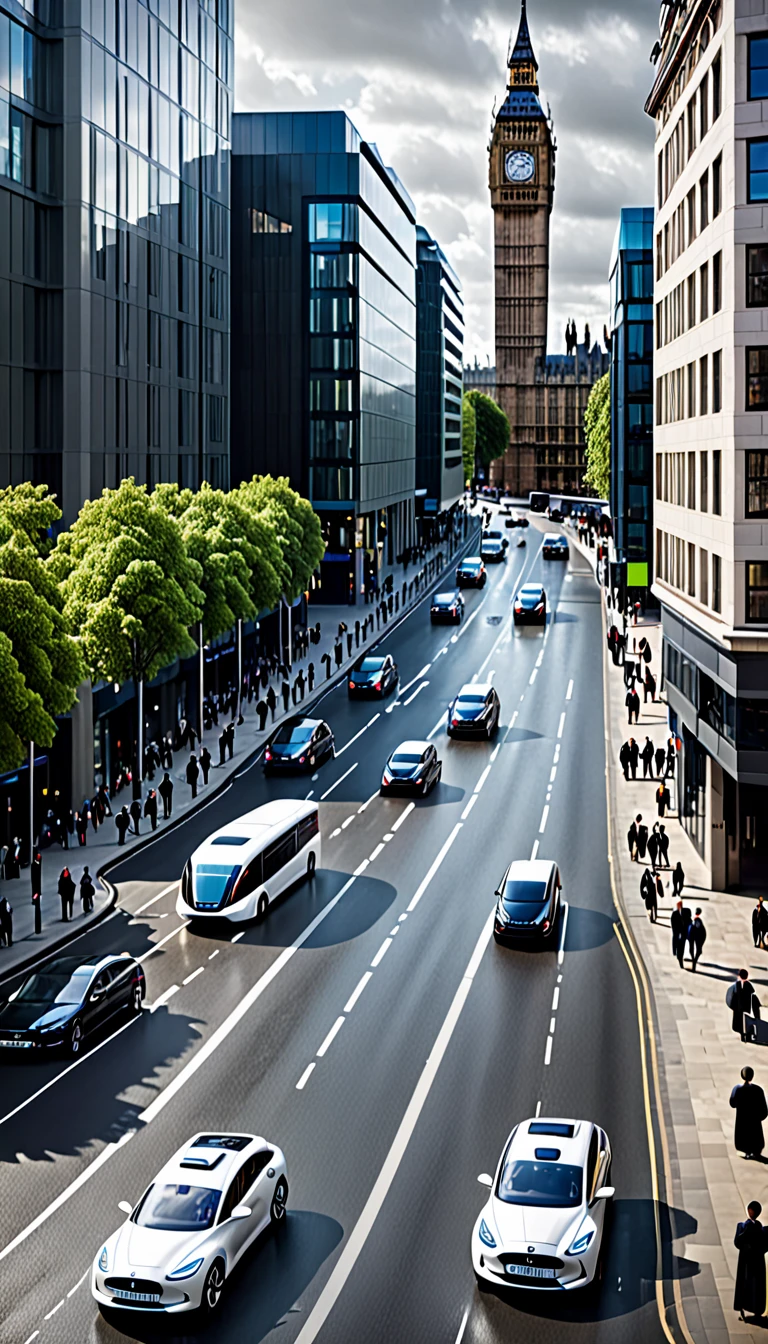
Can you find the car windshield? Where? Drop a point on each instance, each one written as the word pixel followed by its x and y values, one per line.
pixel 471 699
pixel 370 665
pixel 295 734
pixel 443 599
pixel 178 1208
pixel 545 1185
pixel 214 881
pixel 525 893
pixel 405 758
pixel 52 988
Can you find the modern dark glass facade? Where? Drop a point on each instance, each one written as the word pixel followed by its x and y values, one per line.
pixel 631 295
pixel 439 375
pixel 114 239
pixel 324 333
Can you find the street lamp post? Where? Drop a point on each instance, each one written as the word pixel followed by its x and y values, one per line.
pixel 202 681
pixel 31 800
pixel 239 667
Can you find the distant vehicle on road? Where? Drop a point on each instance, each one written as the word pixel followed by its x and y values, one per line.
pixel 517 520
pixel 528 901
pixel 493 552
pixel 476 709
pixel 412 768
pixel 544 1221
pixel 194 1222
pixel 64 1002
pixel 530 604
pixel 242 868
pixel 299 744
pixel 373 674
pixel 496 534
pixel 471 573
pixel 447 607
pixel 555 548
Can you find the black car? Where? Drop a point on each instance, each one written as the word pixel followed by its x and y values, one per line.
pixel 447 607
pixel 299 744
pixel 471 573
pixel 530 604
pixel 413 768
pixel 493 552
pixel 476 709
pixel 68 999
pixel 528 901
pixel 517 520
pixel 373 674
pixel 495 534
pixel 555 548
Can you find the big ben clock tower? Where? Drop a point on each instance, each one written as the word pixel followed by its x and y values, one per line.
pixel 522 182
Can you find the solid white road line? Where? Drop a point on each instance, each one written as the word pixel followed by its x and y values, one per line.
pixel 440 724
pixel 569 692
pixel 355 995
pixel 164 997
pixel 535 850
pixel 323 796
pixel 361 867
pixel 332 1034
pixel 154 900
pixel 359 1235
pixel 495 751
pixel 193 975
pixel 397 824
pixel 463 1326
pixel 561 725
pixel 53 1311
pixel 540 658
pixel 156 946
pixel 305 1076
pixel 435 865
pixel 341 750
pixel 563 927
pixel 544 815
pixel 34 1335
pixel 413 695
pixel 67 1194
pixel 75 1063
pixel 469 807
pixel 367 802
pixel 382 952
pixel 82 1279
pixel 412 682
pixel 483 778
pixel 548 1051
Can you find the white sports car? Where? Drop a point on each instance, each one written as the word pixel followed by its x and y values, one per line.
pixel 543 1224
pixel 191 1226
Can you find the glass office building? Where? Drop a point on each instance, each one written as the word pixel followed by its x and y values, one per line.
pixel 631 299
pixel 439 362
pixel 114 229
pixel 324 333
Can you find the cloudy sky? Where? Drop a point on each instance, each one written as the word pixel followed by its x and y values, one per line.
pixel 419 78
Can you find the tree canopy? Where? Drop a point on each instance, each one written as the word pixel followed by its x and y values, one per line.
pixel 32 510
pixel 296 525
pixel 597 431
pixel 468 437
pixel 492 427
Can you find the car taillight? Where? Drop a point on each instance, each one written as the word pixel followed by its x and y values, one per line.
pixel 267 755
pixel 540 607
pixel 453 611
pixel 351 685
pixel 518 608
pixel 454 721
pixel 302 759
pixel 377 686
pixel 417 781
pixel 545 925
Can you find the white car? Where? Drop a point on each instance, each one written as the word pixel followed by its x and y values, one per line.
pixel 543 1224
pixel 203 1210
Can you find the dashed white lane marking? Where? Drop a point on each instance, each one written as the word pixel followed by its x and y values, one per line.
pixel 533 676
pixel 563 927
pixel 406 813
pixel 540 658
pixel 164 915
pixel 82 1279
pixel 413 694
pixel 548 1051
pixel 469 807
pixel 376 852
pixel 339 781
pixel 389 836
pixel 569 692
pixel 555 998
pixel 535 850
pixel 367 802
pixel 214 954
pixel 341 750
pixel 155 899
pixel 54 1310
pixel 483 778
pixel 34 1335
pixel 412 682
pixel 561 725
pixel 305 1077
pixel 538 1109
pixel 495 751
pixel 463 1326
pixel 544 815
pixel 238 936
pixel 355 995
pixel 347 823
pixel 556 756
pixel 335 833
pixel 161 943
pixel 392 932
pixel 193 975
pixel 401 918
pixel 440 724
pixel 332 1034
pixel 435 865
pixel 552 1026
pixel 164 997
pixel 491 674
pixel 552 774
pixel 309 795
pixel 382 952
pixel 315 778
pixel 395 705
pixel 361 867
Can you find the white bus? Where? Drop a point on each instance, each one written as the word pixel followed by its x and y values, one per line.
pixel 242 868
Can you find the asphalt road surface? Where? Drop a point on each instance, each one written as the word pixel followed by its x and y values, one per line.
pixel 391 1050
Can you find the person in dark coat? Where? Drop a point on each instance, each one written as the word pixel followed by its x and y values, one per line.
pixel 662 799
pixel 205 763
pixel 264 676
pixel 123 824
pixel 697 937
pixel 338 652
pixel 741 998
pixel 222 748
pixel 646 756
pixel 285 689
pixel 671 756
pixel 311 676
pixel 67 894
pixel 750 1241
pixel 632 701
pixel 759 923
pixel 301 680
pixel 103 797
pixel 678 879
pixel 632 840
pixel 150 808
pixel 229 736
pixel 81 826
pixel 326 661
pixel 748 1101
pixel 272 701
pixel 648 887
pixel 680 922
pixel 193 774
pixel 653 845
pixel 651 895
pixel 660 757
pixel 642 837
pixel 663 848
pixel 624 759
pixel 165 789
pixel 6 922
pixel 135 811
pixel 262 709
pixel 649 686
pixel 87 891
pixel 634 756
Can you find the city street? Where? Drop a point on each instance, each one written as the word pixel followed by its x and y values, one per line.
pixel 370 1026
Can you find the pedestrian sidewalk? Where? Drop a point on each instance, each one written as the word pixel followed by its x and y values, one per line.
pixel 700 1057
pixel 102 851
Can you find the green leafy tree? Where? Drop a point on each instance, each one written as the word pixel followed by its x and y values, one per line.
pixel 296 526
pixel 131 590
pixel 32 510
pixel 597 431
pixel 22 714
pixel 492 427
pixel 468 437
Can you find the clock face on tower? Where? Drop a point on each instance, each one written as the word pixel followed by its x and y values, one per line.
pixel 519 166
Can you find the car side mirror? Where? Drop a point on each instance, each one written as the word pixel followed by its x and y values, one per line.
pixel 485 1179
pixel 605 1192
pixel 96 995
pixel 241 1211
pixel 125 1207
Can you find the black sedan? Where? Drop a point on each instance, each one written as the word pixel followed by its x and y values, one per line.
pixel 528 901
pixel 471 573
pixel 476 709
pixel 530 604
pixel 299 744
pixel 447 607
pixel 555 548
pixel 493 552
pixel 372 674
pixel 68 999
pixel 494 534
pixel 413 768
pixel 517 520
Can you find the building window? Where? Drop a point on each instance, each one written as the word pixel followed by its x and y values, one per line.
pixel 154 269
pixel 153 416
pixel 332 223
pixel 703 201
pixel 185 283
pixel 691 569
pixel 691 199
pixel 261 222
pixel 757 277
pixel 691 300
pixel 717 282
pixel 717 481
pixel 704 481
pixel 691 126
pixel 154 340
pixel 704 292
pixel 757 378
pixel 717 87
pixel 186 426
pixel 757 592
pixel 717 186
pixel 658 476
pixel 717 381
pixel 703 577
pixel 717 580
pixel 704 385
pixel 757 63
pixel 691 390
pixel 757 170
pixel 704 106
pixel 757 485
pixel 691 480
pixel 215 419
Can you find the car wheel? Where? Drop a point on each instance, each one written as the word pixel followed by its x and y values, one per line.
pixel 137 1003
pixel 76 1037
pixel 262 907
pixel 279 1203
pixel 213 1287
pixel 311 864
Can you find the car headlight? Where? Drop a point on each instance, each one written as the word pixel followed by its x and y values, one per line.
pixel 485 1234
pixel 52 1026
pixel 186 1270
pixel 104 1260
pixel 581 1241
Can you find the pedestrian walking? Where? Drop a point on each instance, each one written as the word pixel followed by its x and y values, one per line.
pixel 671 756
pixel 229 734
pixel 286 694
pixel 81 826
pixel 632 840
pixel 6 922
pixel 103 797
pixel 697 937
pixel 165 789
pixel 624 759
pixel 272 701
pixel 759 923
pixel 87 891
pixel 651 894
pixel 642 837
pixel 680 922
pixel 61 833
pixel 748 1101
pixel 302 683
pixel 264 675
pixel 123 824
pixel 646 756
pixel 632 702
pixel 662 799
pixel 262 709
pixel 660 757
pixel 750 1242
pixel 634 757
pixel 311 676
pixel 338 652
pixel 222 748
pixel 678 879
pixel 663 848
pixel 205 763
pixel 150 808
pixel 649 686
pixel 135 811
pixel 67 895
pixel 193 773
pixel 326 660
pixel 742 1000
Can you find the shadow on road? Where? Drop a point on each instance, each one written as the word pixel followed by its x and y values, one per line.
pixel 587 928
